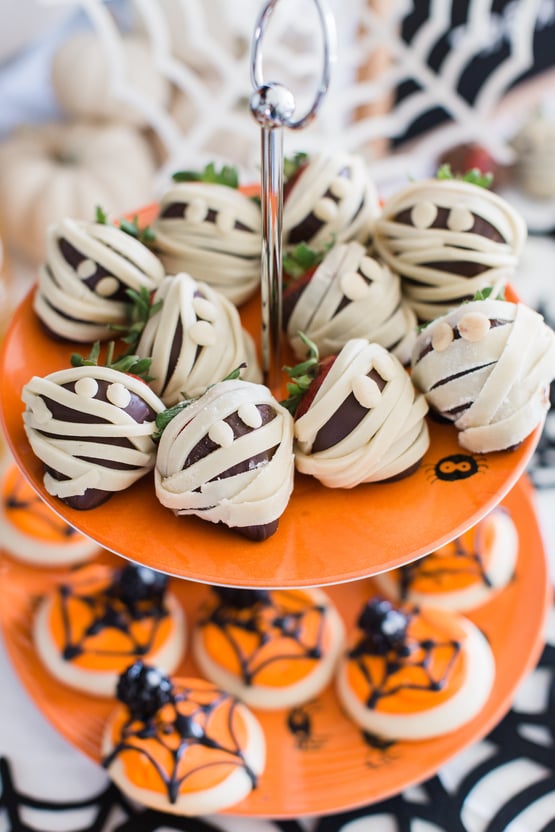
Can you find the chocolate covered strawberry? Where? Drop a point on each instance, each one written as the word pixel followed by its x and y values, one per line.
pixel 227 457
pixel 92 428
pixel 210 229
pixel 357 416
pixel 88 271
pixel 486 366
pixel 194 337
pixel 328 197
pixel 448 238
pixel 342 294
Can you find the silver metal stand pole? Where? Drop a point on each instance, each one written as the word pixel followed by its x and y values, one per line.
pixel 273 106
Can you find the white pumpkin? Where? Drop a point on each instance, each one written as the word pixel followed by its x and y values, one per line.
pixel 83 79
pixel 53 171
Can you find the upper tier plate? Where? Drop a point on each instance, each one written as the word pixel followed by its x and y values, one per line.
pixel 325 536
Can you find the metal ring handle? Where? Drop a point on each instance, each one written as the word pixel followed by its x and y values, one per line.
pixel 329 52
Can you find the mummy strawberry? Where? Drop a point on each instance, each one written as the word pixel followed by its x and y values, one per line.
pixel 347 295
pixel 89 268
pixel 212 231
pixel 328 198
pixel 92 428
pixel 486 366
pixel 227 457
pixel 193 338
pixel 447 239
pixel 357 415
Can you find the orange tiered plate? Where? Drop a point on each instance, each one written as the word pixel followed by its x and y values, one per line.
pixel 325 536
pixel 326 766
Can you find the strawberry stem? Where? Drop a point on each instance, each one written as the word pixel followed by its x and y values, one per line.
pixel 302 375
pixel 164 418
pixel 130 364
pixel 475 176
pixel 227 175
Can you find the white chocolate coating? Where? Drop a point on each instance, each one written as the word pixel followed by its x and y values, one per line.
pixel 103 682
pixel 392 436
pixel 492 381
pixel 223 252
pixel 337 190
pixel 66 304
pixel 445 717
pixel 417 251
pixel 61 451
pixel 212 340
pixel 374 307
pixel 254 497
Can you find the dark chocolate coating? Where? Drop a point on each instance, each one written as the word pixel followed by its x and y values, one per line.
pixel 74 257
pixel 345 419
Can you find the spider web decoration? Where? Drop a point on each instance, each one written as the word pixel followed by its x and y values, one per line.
pixel 511 775
pixel 400 68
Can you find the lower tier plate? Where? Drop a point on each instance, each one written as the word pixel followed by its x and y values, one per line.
pixel 318 761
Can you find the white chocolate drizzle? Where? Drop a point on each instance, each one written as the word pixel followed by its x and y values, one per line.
pixel 62 449
pixel 256 496
pixel 475 259
pixel 213 342
pixel 389 440
pixel 64 302
pixel 348 214
pixel 376 309
pixel 491 382
pixel 225 254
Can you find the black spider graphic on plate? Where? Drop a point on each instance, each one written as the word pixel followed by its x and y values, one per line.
pixel 455 467
pixel 300 724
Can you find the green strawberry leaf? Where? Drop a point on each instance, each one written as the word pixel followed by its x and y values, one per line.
pixel 474 176
pixel 302 375
pixel 227 175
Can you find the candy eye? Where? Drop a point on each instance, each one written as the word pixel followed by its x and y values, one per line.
pixel 196 211
pixel 460 218
pixel 118 395
pixel 86 269
pixel 423 214
pixel 86 387
pixel 221 434
pixel 250 415
pixel 107 286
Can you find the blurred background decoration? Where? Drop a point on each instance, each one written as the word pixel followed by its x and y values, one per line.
pixel 101 101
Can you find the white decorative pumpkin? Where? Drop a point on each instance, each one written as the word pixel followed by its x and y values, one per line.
pixel 84 80
pixel 53 171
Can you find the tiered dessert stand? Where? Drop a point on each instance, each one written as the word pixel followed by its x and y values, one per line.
pixel 318 761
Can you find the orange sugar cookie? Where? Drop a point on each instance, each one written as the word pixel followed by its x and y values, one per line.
pixel 181 745
pixel 270 648
pixel 100 619
pixel 31 531
pixel 462 574
pixel 414 672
